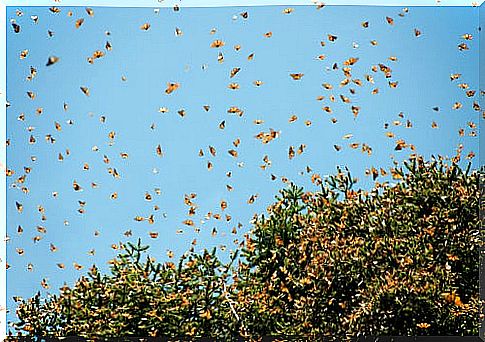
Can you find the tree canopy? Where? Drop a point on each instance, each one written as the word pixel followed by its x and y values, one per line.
pixel 400 259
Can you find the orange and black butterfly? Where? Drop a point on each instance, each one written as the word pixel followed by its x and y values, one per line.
pixel 79 22
pixel 217 43
pixel 16 27
pixel 171 87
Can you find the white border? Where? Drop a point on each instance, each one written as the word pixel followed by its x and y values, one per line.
pixel 3 193
pixel 137 3
pixel 244 3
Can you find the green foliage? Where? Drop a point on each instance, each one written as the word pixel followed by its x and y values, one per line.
pixel 399 260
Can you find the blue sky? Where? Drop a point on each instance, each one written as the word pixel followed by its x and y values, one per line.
pixel 150 59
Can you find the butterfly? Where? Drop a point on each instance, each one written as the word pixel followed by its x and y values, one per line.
pixel 171 87
pixel 217 44
pixel 85 90
pixel 296 76
pixel 159 151
pixel 90 11
pixel 52 60
pixel 234 71
pixel 145 27
pixel 79 23
pixel 452 297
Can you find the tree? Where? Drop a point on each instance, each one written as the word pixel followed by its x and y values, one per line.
pixel 400 259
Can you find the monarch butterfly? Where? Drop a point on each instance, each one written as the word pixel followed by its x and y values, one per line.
pixel 252 198
pixel 55 9
pixel 288 10
pixel 457 105
pixel 79 22
pixel 291 152
pixel 268 34
pixel 331 37
pixel 85 90
pixel 234 71
pixel 76 186
pixel 417 32
pixel 296 76
pixel 189 223
pixel 365 24
pixel 171 87
pixel 258 83
pixel 98 54
pixel 452 297
pixel 159 150
pixel 217 43
pixel 145 27
pixel 344 99
pixel 390 21
pixel 90 11
pixel 393 84
pixel 454 76
pixel 351 61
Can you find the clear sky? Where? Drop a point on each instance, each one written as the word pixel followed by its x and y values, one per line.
pixel 147 60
